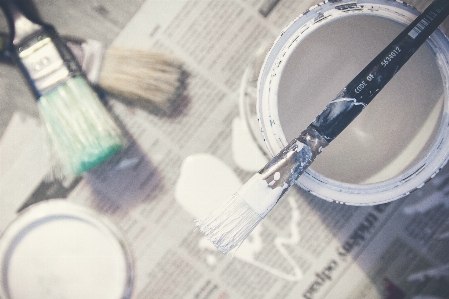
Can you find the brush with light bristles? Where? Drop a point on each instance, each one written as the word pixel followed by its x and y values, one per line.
pixel 81 132
pixel 229 226
pixel 150 79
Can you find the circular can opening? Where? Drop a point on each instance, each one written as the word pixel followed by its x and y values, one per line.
pixel 56 249
pixel 398 142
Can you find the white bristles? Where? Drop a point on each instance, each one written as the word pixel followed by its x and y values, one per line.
pixel 148 78
pixel 80 131
pixel 228 226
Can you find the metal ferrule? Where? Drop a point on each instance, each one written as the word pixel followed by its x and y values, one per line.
pixel 314 140
pixel 285 168
pixel 88 53
pixel 46 61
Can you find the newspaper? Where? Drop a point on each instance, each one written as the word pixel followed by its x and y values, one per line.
pixel 305 248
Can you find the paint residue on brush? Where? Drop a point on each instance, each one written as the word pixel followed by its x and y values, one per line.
pixel 406 102
pixel 333 111
pixel 200 199
pixel 246 153
pixel 258 194
pixel 230 224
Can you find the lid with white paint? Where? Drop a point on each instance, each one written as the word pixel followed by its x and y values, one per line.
pixel 57 249
pixel 398 142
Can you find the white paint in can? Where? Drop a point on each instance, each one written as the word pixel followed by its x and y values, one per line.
pixel 393 145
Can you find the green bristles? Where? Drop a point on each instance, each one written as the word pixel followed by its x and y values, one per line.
pixel 82 133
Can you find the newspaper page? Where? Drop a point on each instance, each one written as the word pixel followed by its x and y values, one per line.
pixel 306 247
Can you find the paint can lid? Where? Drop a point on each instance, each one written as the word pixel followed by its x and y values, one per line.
pixel 58 249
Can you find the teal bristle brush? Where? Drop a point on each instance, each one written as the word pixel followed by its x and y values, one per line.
pixel 81 132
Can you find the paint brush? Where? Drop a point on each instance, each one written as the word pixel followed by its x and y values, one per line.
pixel 80 131
pixel 228 226
pixel 152 80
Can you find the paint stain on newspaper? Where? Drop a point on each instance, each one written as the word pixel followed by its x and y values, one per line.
pixel 203 177
pixel 246 153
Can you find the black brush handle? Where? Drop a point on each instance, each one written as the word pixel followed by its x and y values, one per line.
pixel 21 26
pixel 30 11
pixel 339 113
pixel 26 31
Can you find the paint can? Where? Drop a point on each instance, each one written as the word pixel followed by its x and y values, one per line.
pixel 398 142
pixel 57 249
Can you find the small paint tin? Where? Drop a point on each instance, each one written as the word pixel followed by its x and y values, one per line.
pixel 398 142
pixel 57 249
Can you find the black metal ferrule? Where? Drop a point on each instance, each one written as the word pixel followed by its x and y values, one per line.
pixel 25 32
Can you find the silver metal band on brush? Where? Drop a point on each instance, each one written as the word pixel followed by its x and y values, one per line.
pixel 291 162
pixel 47 61
pixel 228 226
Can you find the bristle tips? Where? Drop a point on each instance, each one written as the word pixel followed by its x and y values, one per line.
pixel 81 132
pixel 146 78
pixel 92 158
pixel 228 226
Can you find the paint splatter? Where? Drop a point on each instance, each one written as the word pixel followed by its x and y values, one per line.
pixel 204 182
pixel 246 153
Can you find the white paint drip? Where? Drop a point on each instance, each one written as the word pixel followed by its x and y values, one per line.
pixel 259 195
pixel 211 259
pixel 206 244
pixel 126 163
pixel 349 100
pixel 245 151
pixel 254 244
pixel 204 183
pixel 299 146
pixel 276 177
pixel 293 239
pixel 336 110
pixel 444 236
pixel 435 273
pixel 201 199
pixel 428 203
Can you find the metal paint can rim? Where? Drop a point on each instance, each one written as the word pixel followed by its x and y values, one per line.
pixel 60 212
pixel 317 184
